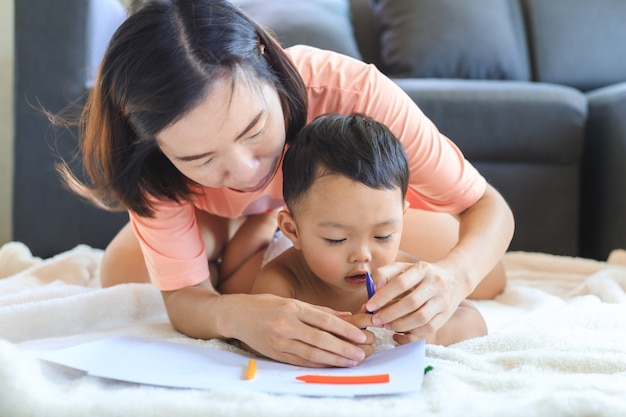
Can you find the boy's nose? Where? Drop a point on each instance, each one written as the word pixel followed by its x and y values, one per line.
pixel 361 254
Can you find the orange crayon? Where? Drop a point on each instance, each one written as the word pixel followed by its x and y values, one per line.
pixel 251 371
pixel 344 379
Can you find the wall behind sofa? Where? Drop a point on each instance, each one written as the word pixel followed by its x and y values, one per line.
pixel 6 118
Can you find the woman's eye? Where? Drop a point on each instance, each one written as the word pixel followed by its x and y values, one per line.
pixel 334 242
pixel 257 134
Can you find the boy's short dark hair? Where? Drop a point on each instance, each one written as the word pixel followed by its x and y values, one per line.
pixel 355 146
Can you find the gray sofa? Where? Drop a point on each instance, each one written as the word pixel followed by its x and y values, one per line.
pixel 533 92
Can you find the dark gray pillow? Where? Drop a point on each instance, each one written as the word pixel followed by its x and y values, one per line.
pixel 579 43
pixel 325 24
pixel 477 39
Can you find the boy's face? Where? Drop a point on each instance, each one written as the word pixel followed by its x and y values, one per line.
pixel 345 228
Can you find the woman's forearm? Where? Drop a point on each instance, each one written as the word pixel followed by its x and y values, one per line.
pixel 485 232
pixel 283 329
pixel 197 312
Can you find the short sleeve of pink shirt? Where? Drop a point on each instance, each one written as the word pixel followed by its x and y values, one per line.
pixel 441 179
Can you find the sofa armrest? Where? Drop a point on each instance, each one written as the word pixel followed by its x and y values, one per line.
pixel 604 173
pixel 527 140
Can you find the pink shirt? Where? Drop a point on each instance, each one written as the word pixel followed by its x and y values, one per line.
pixel 441 179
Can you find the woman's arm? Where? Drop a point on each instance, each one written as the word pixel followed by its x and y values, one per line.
pixel 485 232
pixel 436 289
pixel 283 329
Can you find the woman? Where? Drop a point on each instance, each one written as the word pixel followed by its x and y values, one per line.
pixel 193 107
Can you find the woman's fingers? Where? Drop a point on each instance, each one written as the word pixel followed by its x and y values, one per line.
pixel 308 352
pixel 295 332
pixel 332 322
pixel 334 340
pixel 392 281
pixel 399 291
pixel 422 322
pixel 415 299
pixel 303 354
pixel 361 321
pixel 415 309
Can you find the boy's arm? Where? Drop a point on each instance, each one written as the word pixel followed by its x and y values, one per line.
pixel 252 236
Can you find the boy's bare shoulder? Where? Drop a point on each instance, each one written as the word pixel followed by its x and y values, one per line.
pixel 279 276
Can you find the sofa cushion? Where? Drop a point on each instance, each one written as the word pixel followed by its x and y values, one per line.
pixel 478 39
pixel 324 24
pixel 579 43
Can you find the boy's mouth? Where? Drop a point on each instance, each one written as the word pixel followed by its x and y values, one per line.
pixel 357 279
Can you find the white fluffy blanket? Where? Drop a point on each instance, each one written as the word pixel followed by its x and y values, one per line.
pixel 557 347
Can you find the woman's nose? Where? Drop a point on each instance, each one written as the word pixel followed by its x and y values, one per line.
pixel 242 167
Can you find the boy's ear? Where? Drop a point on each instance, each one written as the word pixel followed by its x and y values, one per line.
pixel 288 226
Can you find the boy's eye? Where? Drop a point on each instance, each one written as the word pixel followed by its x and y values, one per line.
pixel 384 238
pixel 333 242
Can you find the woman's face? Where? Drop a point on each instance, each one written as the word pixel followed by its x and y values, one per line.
pixel 234 138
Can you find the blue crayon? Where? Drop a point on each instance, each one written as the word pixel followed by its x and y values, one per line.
pixel 369 284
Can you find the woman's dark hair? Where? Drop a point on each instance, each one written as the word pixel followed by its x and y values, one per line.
pixel 160 63
pixel 356 146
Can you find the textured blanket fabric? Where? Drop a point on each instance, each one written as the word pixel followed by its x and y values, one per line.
pixel 557 347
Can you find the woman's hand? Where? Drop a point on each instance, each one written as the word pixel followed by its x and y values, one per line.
pixel 362 320
pixel 418 298
pixel 295 332
pixel 415 299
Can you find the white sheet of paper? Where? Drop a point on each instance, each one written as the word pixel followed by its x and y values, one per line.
pixel 153 362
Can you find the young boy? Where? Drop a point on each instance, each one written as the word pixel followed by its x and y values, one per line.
pixel 345 182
